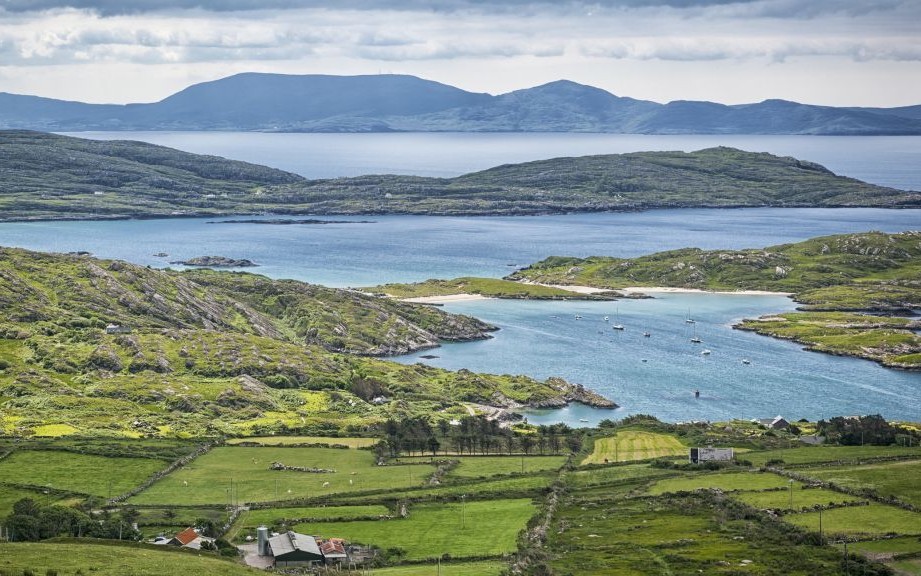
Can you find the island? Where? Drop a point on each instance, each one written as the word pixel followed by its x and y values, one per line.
pixel 216 262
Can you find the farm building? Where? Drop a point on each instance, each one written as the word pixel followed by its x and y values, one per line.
pixel 776 423
pixel 709 454
pixel 293 549
pixel 334 551
pixel 188 538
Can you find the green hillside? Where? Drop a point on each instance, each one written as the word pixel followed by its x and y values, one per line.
pixel 48 176
pixel 208 353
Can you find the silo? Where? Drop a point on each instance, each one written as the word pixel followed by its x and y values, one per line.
pixel 262 541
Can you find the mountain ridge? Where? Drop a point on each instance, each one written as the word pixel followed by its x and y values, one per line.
pixel 254 101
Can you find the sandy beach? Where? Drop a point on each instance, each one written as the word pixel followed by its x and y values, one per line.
pixel 666 289
pixel 446 299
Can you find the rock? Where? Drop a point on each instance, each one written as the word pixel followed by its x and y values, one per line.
pixel 216 262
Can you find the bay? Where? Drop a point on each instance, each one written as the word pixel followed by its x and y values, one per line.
pixel 543 338
pixel 660 374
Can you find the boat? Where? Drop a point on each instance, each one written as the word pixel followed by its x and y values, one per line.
pixel 578 317
pixel 646 334
pixel 689 320
pixel 746 361
pixel 582 420
pixel 605 318
pixel 696 340
pixel 705 352
pixel 617 326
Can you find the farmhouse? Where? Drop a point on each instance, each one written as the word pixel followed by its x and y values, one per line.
pixel 709 454
pixel 188 538
pixel 776 423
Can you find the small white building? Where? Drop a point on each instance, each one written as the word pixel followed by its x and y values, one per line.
pixel 709 454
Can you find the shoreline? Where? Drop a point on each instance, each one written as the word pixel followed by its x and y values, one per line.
pixel 446 299
pixel 670 290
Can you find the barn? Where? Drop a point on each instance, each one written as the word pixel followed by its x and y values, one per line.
pixel 293 549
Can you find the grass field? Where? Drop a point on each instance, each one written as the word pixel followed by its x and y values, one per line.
pixel 486 466
pixel 810 454
pixel 207 480
pixel 516 485
pixel 724 481
pixel 486 568
pixel 802 498
pixel 898 479
pixel 477 528
pixel 872 520
pixel 249 520
pixel 888 546
pixel 9 495
pixel 628 445
pixel 84 473
pixel 614 474
pixel 102 559
pixel 295 440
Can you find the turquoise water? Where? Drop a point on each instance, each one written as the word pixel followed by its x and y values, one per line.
pixel 543 338
pixel 658 375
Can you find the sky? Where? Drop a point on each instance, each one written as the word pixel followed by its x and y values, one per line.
pixel 828 52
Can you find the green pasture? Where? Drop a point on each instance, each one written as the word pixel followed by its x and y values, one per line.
pixel 726 481
pixel 210 478
pixel 871 520
pixel 102 558
pixel 887 546
pixel 801 497
pixel 907 567
pixel 615 474
pixel 628 445
pixel 9 495
pixel 249 520
pixel 516 485
pixel 461 529
pixel 484 568
pixel 899 479
pixel 685 535
pixel 84 473
pixel 811 454
pixel 295 440
pixel 486 466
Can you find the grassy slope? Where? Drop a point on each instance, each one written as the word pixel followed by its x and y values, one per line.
pixel 491 287
pixel 112 559
pixel 216 353
pixel 871 271
pixel 629 445
pixel 58 177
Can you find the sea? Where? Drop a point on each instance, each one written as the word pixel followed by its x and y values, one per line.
pixel 660 375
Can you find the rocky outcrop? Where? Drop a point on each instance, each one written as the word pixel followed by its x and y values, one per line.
pixel 216 262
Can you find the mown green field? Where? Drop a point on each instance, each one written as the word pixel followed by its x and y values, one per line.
pixel 83 473
pixel 486 466
pixel 899 479
pixel 615 474
pixel 295 440
pixel 486 568
pixel 893 546
pixel 796 499
pixel 102 559
pixel 529 484
pixel 809 454
pixel 630 445
pixel 725 481
pixel 249 520
pixel 475 528
pixel 867 521
pixel 207 480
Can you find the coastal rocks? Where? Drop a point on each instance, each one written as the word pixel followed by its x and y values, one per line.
pixel 216 262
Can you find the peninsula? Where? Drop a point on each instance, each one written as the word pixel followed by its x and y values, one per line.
pixel 120 179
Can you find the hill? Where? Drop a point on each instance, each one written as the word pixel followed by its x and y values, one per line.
pixel 221 353
pixel 49 176
pixel 390 102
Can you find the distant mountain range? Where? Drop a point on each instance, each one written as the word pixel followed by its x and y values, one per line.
pixel 387 103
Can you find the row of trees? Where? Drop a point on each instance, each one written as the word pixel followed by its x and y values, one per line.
pixel 32 521
pixel 474 435
pixel 871 429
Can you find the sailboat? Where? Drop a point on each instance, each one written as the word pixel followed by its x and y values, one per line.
pixel 696 339
pixel 689 320
pixel 616 325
